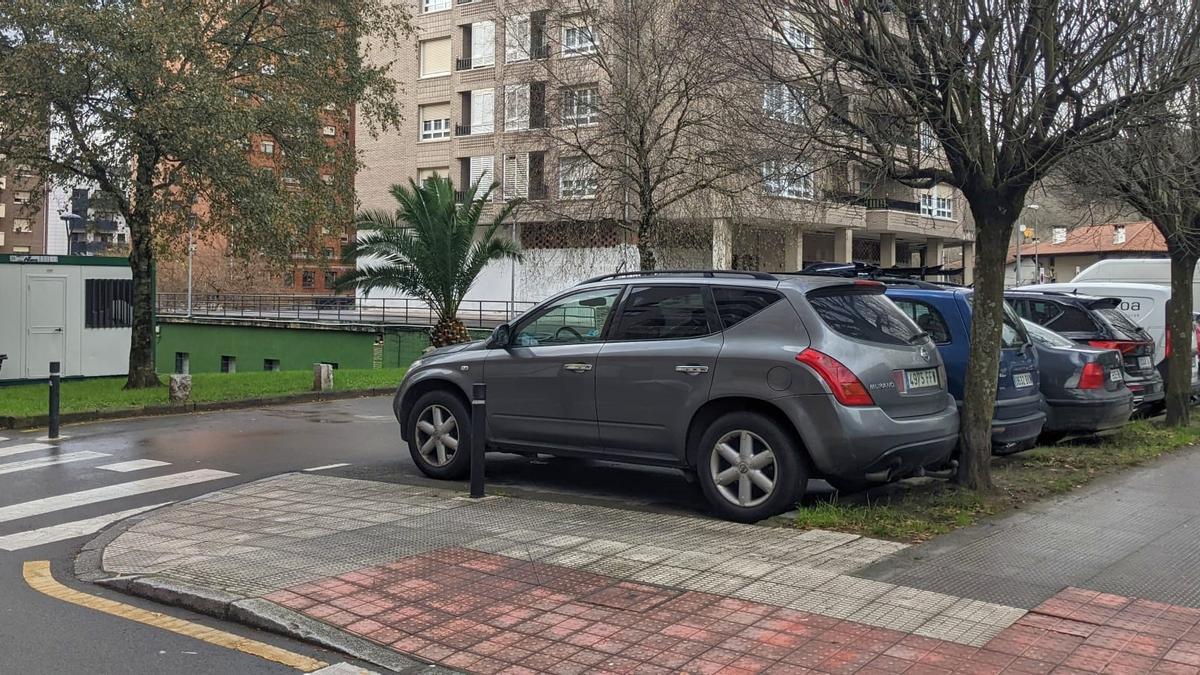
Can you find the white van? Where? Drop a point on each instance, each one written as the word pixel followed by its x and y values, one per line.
pixel 1145 304
pixel 1155 271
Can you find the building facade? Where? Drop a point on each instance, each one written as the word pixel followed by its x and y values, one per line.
pixel 23 221
pixel 1069 251
pixel 484 82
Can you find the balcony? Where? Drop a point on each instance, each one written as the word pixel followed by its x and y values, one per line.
pixel 540 52
pixel 477 130
pixel 883 204
pixel 473 64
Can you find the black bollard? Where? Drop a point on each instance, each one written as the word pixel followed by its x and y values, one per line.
pixel 478 437
pixel 55 369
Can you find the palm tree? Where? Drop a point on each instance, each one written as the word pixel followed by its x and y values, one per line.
pixel 427 249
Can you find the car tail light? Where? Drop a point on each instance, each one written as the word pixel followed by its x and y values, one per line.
pixel 1092 377
pixel 1167 346
pixel 1123 346
pixel 845 385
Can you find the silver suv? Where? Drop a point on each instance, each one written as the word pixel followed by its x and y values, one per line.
pixel 754 382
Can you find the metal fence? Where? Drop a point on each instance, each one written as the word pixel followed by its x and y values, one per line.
pixel 336 308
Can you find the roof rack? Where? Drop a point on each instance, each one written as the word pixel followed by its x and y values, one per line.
pixel 872 271
pixel 709 274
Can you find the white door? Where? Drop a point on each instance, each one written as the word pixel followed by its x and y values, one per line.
pixel 45 323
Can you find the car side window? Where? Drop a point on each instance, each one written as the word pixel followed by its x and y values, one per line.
pixel 663 313
pixel 927 319
pixel 1040 311
pixel 572 319
pixel 1072 320
pixel 735 305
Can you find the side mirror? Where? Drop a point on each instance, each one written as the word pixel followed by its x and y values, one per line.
pixel 501 337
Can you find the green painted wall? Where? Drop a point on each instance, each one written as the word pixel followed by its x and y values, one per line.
pixel 295 348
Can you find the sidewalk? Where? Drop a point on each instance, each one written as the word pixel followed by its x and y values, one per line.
pixel 514 585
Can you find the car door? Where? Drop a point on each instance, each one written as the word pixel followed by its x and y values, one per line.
pixel 655 369
pixel 542 386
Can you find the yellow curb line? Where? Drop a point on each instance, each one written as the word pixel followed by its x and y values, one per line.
pixel 37 575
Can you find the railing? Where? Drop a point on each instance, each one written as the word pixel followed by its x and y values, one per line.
pixel 472 64
pixel 874 204
pixel 336 309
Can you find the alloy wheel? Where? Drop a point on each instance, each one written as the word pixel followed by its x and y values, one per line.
pixel 437 435
pixel 743 468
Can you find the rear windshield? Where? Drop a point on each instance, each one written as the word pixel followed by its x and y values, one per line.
pixel 1126 329
pixel 864 316
pixel 1044 336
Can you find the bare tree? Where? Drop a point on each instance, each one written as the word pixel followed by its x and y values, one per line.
pixel 639 112
pixel 1155 169
pixel 997 93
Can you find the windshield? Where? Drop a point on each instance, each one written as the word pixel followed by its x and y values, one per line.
pixel 1044 336
pixel 1123 324
pixel 867 316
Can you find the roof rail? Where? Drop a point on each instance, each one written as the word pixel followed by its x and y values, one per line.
pixel 916 283
pixel 709 274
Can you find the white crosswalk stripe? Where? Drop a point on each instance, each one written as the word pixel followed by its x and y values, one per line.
pixel 23 448
pixel 63 531
pixel 3 439
pixel 133 465
pixel 41 462
pixel 109 492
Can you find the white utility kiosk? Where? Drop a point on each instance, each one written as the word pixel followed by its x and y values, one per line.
pixel 76 310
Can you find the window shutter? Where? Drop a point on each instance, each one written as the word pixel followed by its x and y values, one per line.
pixel 435 57
pixel 516 175
pixel 435 111
pixel 481 172
pixel 516 107
pixel 425 174
pixel 522 183
pixel 516 38
pixel 483 111
pixel 483 43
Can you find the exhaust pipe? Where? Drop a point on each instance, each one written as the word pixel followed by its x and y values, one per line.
pixel 946 474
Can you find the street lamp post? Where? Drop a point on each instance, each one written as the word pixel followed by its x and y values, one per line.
pixel 69 219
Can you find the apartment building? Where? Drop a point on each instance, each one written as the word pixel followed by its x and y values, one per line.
pixel 23 222
pixel 484 81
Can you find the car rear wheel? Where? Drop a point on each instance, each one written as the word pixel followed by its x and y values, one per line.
pixel 440 435
pixel 748 468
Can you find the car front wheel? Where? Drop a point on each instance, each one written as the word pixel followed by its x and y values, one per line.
pixel 749 468
pixel 440 435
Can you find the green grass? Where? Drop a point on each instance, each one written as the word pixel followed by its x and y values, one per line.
pixel 914 511
pixel 107 393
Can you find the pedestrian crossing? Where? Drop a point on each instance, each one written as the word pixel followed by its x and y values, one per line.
pixel 33 469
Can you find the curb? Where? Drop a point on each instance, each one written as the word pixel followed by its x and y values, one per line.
pixel 33 421
pixel 253 612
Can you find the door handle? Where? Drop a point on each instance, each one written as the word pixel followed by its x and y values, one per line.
pixel 691 370
pixel 577 367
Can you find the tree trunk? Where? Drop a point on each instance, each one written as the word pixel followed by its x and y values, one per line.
pixel 1180 328
pixel 448 331
pixel 645 231
pixel 142 373
pixel 983 364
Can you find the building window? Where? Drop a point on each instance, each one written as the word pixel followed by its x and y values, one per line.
pixel 793 180
pixel 783 103
pixel 432 172
pixel 228 364
pixel 329 130
pixel 793 34
pixel 289 279
pixel 428 6
pixel 481 36
pixel 480 171
pixel 516 107
pixel 181 363
pixel 516 175
pixel 271 365
pixel 578 39
pixel 21 197
pixel 108 303
pixel 328 253
pixel 937 207
pixel 330 279
pixel 435 121
pixel 576 178
pixel 24 225
pixel 580 106
pixel 308 279
pixel 18 249
pixel 479 111
pixel 435 57
pixel 267 147
pixel 516 38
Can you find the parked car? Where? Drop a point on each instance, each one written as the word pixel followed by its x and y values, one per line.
pixel 752 381
pixel 1084 387
pixel 945 314
pixel 1099 322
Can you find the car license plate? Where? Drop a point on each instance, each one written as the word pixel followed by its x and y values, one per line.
pixel 1144 362
pixel 1115 375
pixel 919 379
pixel 1022 380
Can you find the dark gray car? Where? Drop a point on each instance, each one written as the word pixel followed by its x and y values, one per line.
pixel 1084 387
pixel 752 381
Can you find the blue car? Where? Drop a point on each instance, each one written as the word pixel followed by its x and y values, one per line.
pixel 945 313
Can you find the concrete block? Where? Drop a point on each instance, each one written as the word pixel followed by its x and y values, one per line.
pixel 322 377
pixel 180 388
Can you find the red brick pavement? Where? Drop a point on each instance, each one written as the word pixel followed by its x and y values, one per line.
pixel 486 613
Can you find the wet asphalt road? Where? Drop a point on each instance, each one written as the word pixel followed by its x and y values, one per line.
pixel 51 636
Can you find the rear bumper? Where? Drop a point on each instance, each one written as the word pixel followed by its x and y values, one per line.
pixel 1088 416
pixel 1017 421
pixel 852 442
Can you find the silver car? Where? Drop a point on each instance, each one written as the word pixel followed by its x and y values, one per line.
pixel 753 381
